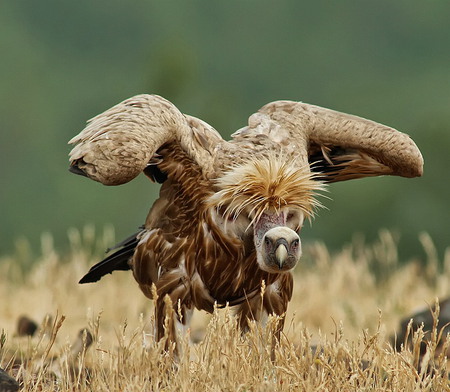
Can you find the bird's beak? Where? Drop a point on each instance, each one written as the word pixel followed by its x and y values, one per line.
pixel 281 255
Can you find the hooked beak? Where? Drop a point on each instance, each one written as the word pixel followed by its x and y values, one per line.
pixel 281 255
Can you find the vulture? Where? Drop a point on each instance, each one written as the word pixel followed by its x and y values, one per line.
pixel 226 227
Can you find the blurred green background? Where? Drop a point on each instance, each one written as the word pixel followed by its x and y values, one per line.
pixel 62 62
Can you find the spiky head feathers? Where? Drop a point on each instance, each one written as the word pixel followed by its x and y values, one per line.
pixel 266 184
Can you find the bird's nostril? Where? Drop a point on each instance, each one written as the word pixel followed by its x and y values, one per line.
pixel 281 241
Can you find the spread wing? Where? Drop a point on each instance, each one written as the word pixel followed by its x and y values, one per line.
pixel 339 146
pixel 119 144
pixel 148 134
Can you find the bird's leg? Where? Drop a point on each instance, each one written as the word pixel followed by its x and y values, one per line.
pixel 172 323
pixel 164 320
pixel 250 310
pixel 276 334
pixel 259 307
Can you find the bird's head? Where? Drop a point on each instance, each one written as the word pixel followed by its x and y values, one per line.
pixel 277 242
pixel 280 250
pixel 270 197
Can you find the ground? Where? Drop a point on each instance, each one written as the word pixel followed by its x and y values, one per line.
pixel 345 308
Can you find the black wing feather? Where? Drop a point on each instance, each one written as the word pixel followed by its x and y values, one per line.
pixel 118 261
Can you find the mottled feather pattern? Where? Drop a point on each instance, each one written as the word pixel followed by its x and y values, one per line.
pixel 211 235
pixel 195 263
pixel 116 146
pixel 384 144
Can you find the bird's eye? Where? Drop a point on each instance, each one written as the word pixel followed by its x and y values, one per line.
pixel 266 241
pixel 294 244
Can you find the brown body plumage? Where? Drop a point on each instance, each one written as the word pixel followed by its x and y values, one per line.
pixel 229 213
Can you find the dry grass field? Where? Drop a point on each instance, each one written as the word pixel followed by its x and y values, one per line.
pixel 345 304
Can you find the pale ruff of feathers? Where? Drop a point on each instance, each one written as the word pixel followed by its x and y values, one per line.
pixel 267 184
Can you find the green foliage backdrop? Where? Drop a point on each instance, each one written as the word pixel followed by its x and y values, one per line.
pixel 63 62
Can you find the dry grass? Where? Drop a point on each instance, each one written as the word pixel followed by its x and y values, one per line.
pixel 348 304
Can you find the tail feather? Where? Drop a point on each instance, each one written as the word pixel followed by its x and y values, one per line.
pixel 118 261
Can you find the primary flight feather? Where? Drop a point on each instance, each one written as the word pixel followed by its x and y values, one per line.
pixel 229 214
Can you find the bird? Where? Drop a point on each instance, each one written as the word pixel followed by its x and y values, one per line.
pixel 433 318
pixel 226 228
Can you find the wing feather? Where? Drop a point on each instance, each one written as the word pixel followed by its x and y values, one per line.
pixel 118 144
pixel 118 261
pixel 338 145
pixel 182 250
